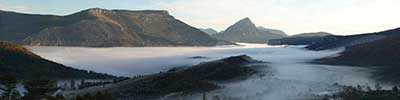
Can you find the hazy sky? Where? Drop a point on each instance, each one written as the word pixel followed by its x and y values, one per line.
pixel 291 16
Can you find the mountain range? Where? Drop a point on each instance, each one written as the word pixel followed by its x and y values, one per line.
pixel 98 27
pixel 303 39
pixel 246 31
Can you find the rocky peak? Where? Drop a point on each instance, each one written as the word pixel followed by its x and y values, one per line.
pixel 243 27
pixel 98 11
pixel 245 22
pixel 93 12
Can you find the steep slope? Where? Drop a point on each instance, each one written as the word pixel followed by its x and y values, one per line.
pixel 18 61
pixel 348 41
pixel 382 54
pixel 101 28
pixel 209 31
pixel 246 31
pixel 303 39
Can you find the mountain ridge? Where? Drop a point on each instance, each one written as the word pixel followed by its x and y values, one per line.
pixel 303 39
pixel 352 40
pixel 98 27
pixel 209 31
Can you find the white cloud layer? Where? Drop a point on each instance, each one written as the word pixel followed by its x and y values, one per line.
pixel 292 16
pixel 12 7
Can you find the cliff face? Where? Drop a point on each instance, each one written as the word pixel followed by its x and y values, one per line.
pixel 101 28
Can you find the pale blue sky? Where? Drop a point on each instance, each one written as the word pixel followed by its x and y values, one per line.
pixel 291 16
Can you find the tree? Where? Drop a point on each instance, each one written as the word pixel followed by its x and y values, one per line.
pixel 204 95
pixel 39 89
pixel 216 98
pixel 9 85
pixel 378 87
pixel 97 96
pixel 395 89
pixel 60 97
pixel 73 84
pixel 102 96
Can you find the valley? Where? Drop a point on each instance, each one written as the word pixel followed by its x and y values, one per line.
pixel 287 72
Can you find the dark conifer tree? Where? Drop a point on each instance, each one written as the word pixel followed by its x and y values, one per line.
pixel 8 85
pixel 39 89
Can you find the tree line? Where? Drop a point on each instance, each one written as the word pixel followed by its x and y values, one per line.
pixel 40 90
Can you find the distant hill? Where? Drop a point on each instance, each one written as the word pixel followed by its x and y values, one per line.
pixel 303 39
pixel 101 28
pixel 18 61
pixel 209 31
pixel 246 31
pixel 197 78
pixel 312 34
pixel 273 32
pixel 352 40
pixel 383 54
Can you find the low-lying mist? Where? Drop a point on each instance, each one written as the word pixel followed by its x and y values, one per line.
pixel 287 76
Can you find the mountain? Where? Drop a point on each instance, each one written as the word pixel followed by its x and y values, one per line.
pixel 101 28
pixel 19 62
pixel 246 31
pixel 352 40
pixel 312 34
pixel 209 31
pixel 197 78
pixel 272 32
pixel 303 39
